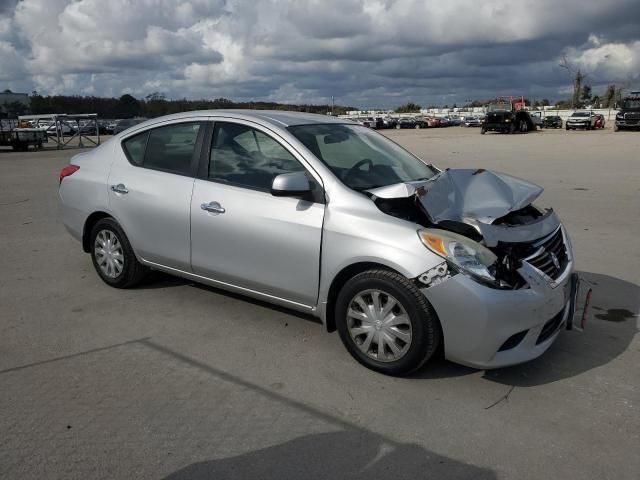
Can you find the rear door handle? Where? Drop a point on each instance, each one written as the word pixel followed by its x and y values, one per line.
pixel 119 188
pixel 212 207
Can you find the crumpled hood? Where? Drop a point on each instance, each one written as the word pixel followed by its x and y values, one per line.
pixel 475 197
pixel 482 195
pixel 479 194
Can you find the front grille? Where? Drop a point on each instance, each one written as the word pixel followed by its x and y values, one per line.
pixel 550 255
pixel 550 327
pixel 632 116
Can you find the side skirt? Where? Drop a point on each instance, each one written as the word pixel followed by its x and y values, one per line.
pixel 233 288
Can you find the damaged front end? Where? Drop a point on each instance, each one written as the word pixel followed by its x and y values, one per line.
pixel 483 224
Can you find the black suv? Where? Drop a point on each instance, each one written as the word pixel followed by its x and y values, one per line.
pixel 502 117
pixel 628 116
pixel 552 121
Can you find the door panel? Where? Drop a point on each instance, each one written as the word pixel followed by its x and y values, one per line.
pixel 150 187
pixel 261 242
pixel 154 214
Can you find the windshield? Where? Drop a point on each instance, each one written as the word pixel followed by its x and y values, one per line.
pixel 360 157
pixel 580 114
pixel 631 103
pixel 499 107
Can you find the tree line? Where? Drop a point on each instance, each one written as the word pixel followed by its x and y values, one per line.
pixel 153 105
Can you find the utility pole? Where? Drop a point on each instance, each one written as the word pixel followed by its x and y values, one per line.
pixel 577 78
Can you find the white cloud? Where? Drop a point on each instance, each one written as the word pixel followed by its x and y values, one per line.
pixel 362 51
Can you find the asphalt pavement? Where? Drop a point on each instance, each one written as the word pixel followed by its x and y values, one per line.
pixel 178 380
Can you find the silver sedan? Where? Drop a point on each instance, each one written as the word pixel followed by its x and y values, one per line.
pixel 330 218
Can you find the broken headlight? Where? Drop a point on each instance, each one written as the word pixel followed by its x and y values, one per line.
pixel 468 256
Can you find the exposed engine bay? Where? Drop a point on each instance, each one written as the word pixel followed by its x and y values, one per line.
pixel 493 209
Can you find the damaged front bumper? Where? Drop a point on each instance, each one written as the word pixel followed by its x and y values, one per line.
pixel 485 327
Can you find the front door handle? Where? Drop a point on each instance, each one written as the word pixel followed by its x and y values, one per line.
pixel 119 188
pixel 213 207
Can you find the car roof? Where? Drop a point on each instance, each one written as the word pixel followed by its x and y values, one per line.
pixel 277 118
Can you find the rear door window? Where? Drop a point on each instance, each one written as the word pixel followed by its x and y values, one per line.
pixel 170 148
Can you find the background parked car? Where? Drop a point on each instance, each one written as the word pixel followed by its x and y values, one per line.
pixel 586 120
pixel 389 122
pixel 63 129
pixel 433 122
pixel 552 121
pixel 406 123
pixel 471 122
pixel 454 121
pixel 599 121
pixel 420 122
pixel 536 118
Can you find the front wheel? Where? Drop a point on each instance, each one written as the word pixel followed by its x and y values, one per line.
pixel 386 323
pixel 483 131
pixel 112 255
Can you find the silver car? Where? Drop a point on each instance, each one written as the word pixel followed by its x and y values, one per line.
pixel 327 217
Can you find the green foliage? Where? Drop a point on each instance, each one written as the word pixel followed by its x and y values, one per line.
pixel 13 109
pixel 409 108
pixel 155 105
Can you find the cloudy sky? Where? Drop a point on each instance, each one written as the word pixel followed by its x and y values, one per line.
pixel 367 53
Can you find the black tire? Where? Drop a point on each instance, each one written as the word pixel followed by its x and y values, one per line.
pixel 425 327
pixel 483 131
pixel 132 271
pixel 524 126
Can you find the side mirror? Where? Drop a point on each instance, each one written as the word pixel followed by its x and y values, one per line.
pixel 290 185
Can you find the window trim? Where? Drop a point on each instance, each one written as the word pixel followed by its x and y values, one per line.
pixel 317 188
pixel 195 157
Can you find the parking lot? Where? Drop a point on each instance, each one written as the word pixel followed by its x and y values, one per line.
pixel 178 380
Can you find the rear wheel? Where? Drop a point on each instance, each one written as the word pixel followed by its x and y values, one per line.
pixel 112 255
pixel 386 323
pixel 523 126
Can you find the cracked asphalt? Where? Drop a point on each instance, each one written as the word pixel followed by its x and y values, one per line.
pixel 177 380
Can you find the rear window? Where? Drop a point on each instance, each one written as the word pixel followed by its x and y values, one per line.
pixel 134 147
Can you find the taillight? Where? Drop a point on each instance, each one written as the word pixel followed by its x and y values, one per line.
pixel 68 170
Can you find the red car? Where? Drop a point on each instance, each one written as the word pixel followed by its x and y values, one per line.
pixel 433 122
pixel 599 121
